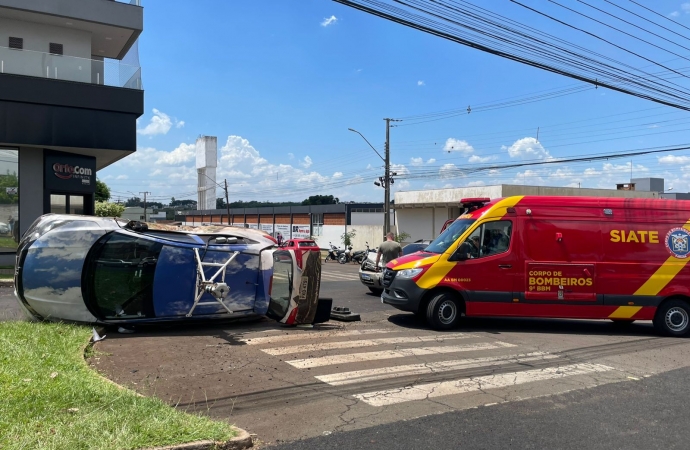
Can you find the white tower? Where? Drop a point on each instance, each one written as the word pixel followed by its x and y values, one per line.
pixel 206 163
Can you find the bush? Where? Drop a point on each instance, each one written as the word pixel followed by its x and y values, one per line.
pixel 400 237
pixel 346 238
pixel 105 209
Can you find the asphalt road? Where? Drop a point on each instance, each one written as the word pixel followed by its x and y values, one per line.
pixel 390 382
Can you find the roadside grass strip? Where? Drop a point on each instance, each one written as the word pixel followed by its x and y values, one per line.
pixel 440 389
pixel 51 399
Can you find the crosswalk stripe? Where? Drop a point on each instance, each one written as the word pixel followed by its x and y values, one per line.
pixel 390 354
pixel 362 376
pixel 362 343
pixel 444 388
pixel 311 335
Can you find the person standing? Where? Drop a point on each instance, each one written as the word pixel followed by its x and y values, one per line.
pixel 10 222
pixel 388 251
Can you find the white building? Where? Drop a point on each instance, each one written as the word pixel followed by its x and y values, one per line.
pixel 206 163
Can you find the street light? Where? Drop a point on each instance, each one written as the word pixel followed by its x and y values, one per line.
pixel 384 181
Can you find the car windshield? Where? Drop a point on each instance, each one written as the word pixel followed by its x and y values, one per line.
pixel 307 244
pixel 450 235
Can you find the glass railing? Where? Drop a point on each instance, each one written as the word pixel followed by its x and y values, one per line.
pixel 131 2
pixel 108 72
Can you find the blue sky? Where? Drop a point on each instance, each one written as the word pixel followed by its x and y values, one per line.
pixel 280 82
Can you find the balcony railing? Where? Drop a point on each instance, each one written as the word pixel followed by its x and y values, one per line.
pixel 108 72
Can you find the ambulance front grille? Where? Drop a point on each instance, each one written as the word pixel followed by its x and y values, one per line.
pixel 388 276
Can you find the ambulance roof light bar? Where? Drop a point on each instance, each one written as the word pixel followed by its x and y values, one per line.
pixel 472 204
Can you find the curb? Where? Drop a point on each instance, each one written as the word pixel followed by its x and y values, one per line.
pixel 241 441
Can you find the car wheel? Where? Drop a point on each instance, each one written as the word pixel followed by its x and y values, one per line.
pixel 443 312
pixel 673 318
pixel 376 291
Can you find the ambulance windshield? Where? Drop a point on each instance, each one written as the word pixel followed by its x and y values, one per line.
pixel 449 236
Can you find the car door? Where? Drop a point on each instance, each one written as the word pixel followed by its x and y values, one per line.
pixel 485 267
pixel 295 286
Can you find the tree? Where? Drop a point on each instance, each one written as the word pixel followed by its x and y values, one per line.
pixel 347 237
pixel 220 203
pixel 134 201
pixel 400 237
pixel 102 191
pixel 321 200
pixel 105 209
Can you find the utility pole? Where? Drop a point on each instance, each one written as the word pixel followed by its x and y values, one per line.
pixel 387 187
pixel 227 202
pixel 388 179
pixel 144 203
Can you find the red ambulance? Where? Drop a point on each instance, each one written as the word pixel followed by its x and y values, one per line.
pixel 558 257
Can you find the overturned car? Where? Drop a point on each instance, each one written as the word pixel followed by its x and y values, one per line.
pixel 111 271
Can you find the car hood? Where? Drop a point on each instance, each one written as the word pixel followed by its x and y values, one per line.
pixel 413 260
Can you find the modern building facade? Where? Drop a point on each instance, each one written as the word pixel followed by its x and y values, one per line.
pixel 70 95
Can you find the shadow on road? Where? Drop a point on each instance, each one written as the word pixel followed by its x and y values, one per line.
pixel 552 326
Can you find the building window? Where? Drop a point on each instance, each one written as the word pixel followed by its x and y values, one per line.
pixel 16 43
pixel 317 224
pixel 55 49
pixel 9 200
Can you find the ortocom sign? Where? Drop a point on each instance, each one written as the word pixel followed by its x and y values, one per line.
pixel 70 173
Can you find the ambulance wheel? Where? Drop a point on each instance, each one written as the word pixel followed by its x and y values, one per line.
pixel 443 312
pixel 673 318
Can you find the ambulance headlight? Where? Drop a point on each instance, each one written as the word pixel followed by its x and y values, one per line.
pixel 408 273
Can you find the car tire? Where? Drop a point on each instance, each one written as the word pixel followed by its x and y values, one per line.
pixel 376 291
pixel 673 318
pixel 443 312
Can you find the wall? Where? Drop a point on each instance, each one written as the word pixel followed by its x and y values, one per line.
pixel 74 65
pixel 417 222
pixel 362 218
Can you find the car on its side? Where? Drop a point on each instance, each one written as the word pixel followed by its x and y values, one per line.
pixel 371 278
pixel 110 271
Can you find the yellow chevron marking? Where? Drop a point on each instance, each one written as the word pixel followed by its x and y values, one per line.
pixel 442 267
pixel 664 274
pixel 625 312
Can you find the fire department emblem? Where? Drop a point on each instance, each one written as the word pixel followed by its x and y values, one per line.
pixel 678 242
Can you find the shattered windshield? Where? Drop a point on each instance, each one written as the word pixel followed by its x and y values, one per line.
pixel 449 236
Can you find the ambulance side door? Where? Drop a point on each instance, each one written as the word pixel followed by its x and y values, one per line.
pixel 486 266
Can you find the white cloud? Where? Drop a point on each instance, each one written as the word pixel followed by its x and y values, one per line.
pixel 420 83
pixel 685 7
pixel 416 161
pixel 431 161
pixel 591 172
pixel 673 159
pixel 355 180
pixel 329 21
pixel 155 173
pixel 674 14
pixel 179 123
pixel 182 154
pixel 480 159
pixel 291 155
pixel 160 124
pixel 527 148
pixel 402 184
pixel 456 145
pixel 306 163
pixel 447 171
pixel 337 175
pixel 400 169
pixel 476 183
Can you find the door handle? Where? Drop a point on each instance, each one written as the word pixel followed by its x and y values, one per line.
pixel 505 266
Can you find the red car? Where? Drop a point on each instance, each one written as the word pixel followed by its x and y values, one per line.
pixel 301 245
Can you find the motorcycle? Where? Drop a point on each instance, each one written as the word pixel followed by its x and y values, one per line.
pixel 359 256
pixel 346 256
pixel 333 254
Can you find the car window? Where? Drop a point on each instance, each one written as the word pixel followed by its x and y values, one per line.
pixel 489 239
pixel 448 237
pixel 307 244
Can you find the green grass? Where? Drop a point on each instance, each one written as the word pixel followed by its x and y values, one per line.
pixel 7 242
pixel 50 398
